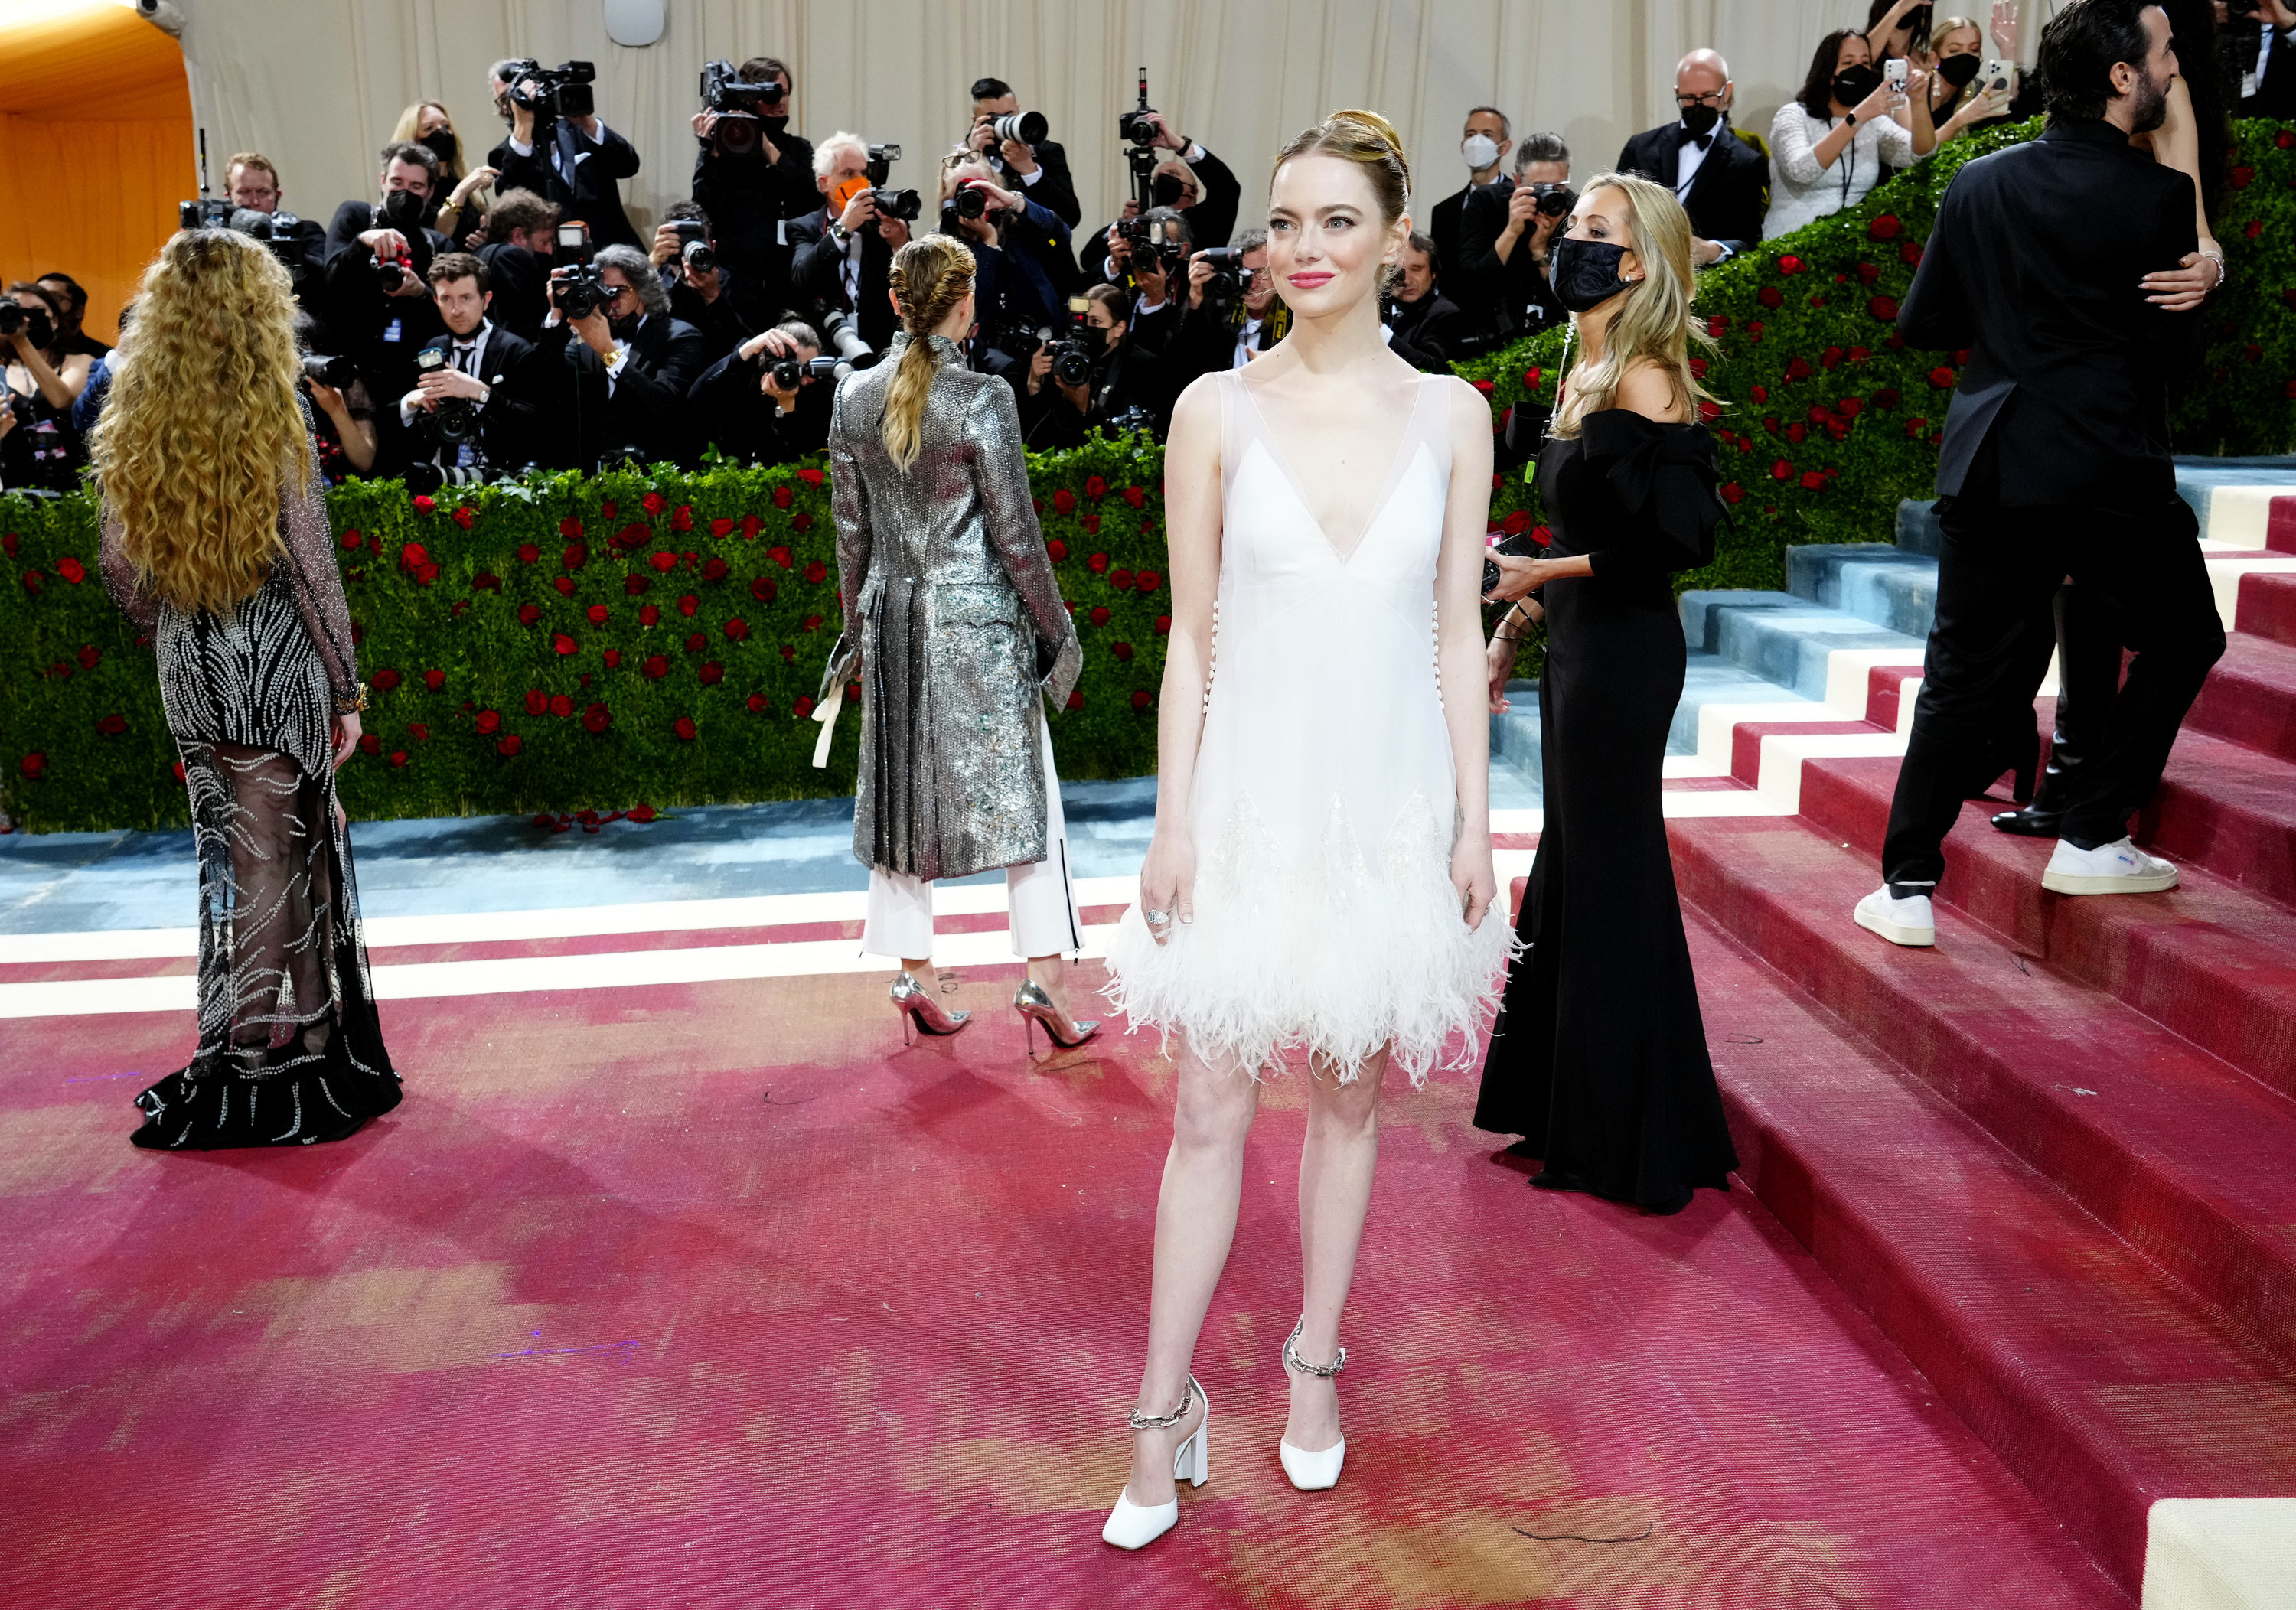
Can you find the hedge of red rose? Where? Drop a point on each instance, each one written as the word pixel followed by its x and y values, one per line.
pixel 1827 421
pixel 565 648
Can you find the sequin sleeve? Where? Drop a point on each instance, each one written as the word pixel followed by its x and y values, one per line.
pixel 317 585
pixel 119 573
pixel 848 507
pixel 1001 471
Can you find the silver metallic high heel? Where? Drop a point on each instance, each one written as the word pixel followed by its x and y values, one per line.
pixel 1311 1472
pixel 1037 1006
pixel 915 1004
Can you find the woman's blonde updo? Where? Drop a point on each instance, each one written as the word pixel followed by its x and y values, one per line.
pixel 203 427
pixel 1365 138
pixel 930 275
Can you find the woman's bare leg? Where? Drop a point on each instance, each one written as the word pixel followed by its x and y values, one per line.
pixel 1336 1165
pixel 1195 1224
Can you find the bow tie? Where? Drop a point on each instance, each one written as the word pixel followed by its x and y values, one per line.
pixel 1683 136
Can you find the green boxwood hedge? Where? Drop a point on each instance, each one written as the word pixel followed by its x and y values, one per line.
pixel 633 641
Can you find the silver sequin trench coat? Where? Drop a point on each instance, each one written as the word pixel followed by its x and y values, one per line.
pixel 951 607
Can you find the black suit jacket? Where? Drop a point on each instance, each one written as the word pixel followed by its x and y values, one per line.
pixel 519 281
pixel 1443 229
pixel 381 333
pixel 1725 203
pixel 510 425
pixel 1430 326
pixel 2275 93
pixel 817 278
pixel 1507 298
pixel 590 194
pixel 1218 198
pixel 749 199
pixel 2033 266
pixel 645 408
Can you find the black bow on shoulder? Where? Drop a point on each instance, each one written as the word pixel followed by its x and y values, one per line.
pixel 1670 470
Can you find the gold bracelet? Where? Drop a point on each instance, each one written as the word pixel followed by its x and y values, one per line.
pixel 358 705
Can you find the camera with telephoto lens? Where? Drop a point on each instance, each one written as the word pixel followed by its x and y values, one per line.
pixel 454 420
pixel 739 104
pixel 1555 200
pixel 1158 238
pixel 336 373
pixel 1020 127
pixel 551 93
pixel 841 333
pixel 578 287
pixel 971 199
pixel 693 246
pixel 902 204
pixel 1080 346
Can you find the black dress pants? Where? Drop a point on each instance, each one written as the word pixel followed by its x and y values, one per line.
pixel 2140 568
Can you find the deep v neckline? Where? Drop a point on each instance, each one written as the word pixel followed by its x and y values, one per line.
pixel 1396 469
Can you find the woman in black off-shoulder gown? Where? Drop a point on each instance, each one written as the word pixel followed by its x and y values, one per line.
pixel 1598 1058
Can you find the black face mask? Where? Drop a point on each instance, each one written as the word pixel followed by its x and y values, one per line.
pixel 623 328
pixel 40 330
pixel 1587 273
pixel 403 209
pixel 1959 71
pixel 773 125
pixel 1700 119
pixel 443 146
pixel 1167 190
pixel 1852 84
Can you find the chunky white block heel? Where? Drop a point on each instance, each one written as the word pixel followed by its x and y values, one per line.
pixel 1132 1525
pixel 1317 1471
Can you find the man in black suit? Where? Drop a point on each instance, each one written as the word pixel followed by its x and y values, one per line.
pixel 521 238
pixel 623 372
pixel 1717 177
pixel 2268 84
pixel 843 259
pixel 1423 325
pixel 1488 139
pixel 576 163
pixel 1040 172
pixel 1504 232
pixel 374 296
pixel 740 411
pixel 487 368
pixel 752 195
pixel 2046 262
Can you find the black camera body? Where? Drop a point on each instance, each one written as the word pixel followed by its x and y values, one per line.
pixel 454 421
pixel 1555 201
pixel 1018 337
pixel 14 316
pixel 1156 237
pixel 789 373
pixel 579 289
pixel 694 249
pixel 739 105
pixel 1225 289
pixel 336 373
pixel 902 204
pixel 971 202
pixel 1080 347
pixel 563 91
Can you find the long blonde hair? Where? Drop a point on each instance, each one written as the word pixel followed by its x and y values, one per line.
pixel 932 274
pixel 411 119
pixel 1653 324
pixel 203 426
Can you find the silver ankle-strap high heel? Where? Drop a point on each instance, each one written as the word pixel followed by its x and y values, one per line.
pixel 1036 1006
pixel 1132 1525
pixel 916 1005
pixel 1311 1472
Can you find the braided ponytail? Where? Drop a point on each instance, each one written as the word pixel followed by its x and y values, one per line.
pixel 930 275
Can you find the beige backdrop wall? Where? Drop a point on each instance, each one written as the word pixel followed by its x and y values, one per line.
pixel 317 84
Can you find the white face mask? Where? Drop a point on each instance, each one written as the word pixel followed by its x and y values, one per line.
pixel 1481 151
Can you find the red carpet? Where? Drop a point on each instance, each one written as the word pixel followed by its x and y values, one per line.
pixel 717 1295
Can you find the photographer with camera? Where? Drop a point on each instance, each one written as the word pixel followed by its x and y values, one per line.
pixel 625 363
pixel 1422 326
pixel 558 150
pixel 1095 376
pixel 39 445
pixel 1025 161
pixel 377 255
pixel 1023 270
pixel 844 248
pixel 473 406
pixel 1232 314
pixel 752 176
pixel 522 235
pixel 342 413
pixel 703 290
pixel 1505 230
pixel 73 297
pixel 251 184
pixel 1146 259
pixel 769 401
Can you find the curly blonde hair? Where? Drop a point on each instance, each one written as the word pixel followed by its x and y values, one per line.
pixel 203 427
pixel 1653 325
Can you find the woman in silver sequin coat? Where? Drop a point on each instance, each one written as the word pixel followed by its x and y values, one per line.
pixel 959 633
pixel 215 543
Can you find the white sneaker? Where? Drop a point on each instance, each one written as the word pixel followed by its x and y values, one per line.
pixel 2110 869
pixel 1907 921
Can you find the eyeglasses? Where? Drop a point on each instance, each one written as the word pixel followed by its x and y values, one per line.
pixel 1712 98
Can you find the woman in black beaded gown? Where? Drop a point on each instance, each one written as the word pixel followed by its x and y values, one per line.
pixel 1598 1058
pixel 216 543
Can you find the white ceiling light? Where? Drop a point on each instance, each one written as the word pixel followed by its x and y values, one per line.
pixel 633 23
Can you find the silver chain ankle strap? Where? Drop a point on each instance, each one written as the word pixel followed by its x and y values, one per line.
pixel 1293 1360
pixel 1159 1422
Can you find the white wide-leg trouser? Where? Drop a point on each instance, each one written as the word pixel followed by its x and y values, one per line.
pixel 1040 895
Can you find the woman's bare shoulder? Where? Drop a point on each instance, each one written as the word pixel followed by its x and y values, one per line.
pixel 1647 388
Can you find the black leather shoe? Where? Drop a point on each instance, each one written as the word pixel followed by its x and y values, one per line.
pixel 2031 822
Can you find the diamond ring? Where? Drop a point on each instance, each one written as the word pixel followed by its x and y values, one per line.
pixel 1157 919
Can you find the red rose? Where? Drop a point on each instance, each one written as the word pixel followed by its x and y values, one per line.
pixel 663 562
pixel 632 537
pixel 1098 616
pixel 1789 265
pixel 1913 428
pixel 1531 378
pixel 1140 699
pixel 1754 331
pixel 569 528
pixel 681 519
pixel 1056 550
pixel 711 674
pixel 434 680
pixel 1782 472
pixel 803 707
pixel 750 525
pixel 1715 325
pixel 2243 177
pixel 1941 377
pixel 812 623
pixel 757 704
pixel 1037 504
pixel 1858 355
pixel 562 644
pixel 762 589
pixel 487 581
pixel 423 505
pixel 1122 650
pixel 1887 397
pixel 653 502
pixel 35 765
pixel 648 614
pixel 561 705
pixel 398 757
pixel 1516 523
pixel 1136 495
pixel 817 572
pixel 2284 139
pixel 1091 523
pixel 1485 387
pixel 113 726
pixel 782 496
pixel 1769 297
pixel 1760 394
pixel 688 605
pixel 696 644
pixel 1799 370
pixel 613 659
pixel 1698 368
pixel 511 744
pixel 656 667
pixel 1848 407
pixel 413 556
pixel 606 509
pixel 781 556
pixel 597 718
pixel 350 541
pixel 1867 272
pixel 576 556
pixel 1818 414
pixel 1910 254
pixel 1146 581
pixel 1097 564
pixel 1076 701
pixel 1884 308
pixel 565 585
pixel 369 744
pixel 1885 226
pixel 1064 501
pixel 537 701
pixel 1797 431
pixel 1163 625
pixel 1121 580
pixel 1734 493
pixel 1832 357
pixel 721 527
pixel 487 722
pixel 634 585
pixel 1095 487
pixel 1812 481
pixel 464 516
pixel 811 476
pixel 642 812
pixel 2255 228
pixel 737 629
pixel 385 680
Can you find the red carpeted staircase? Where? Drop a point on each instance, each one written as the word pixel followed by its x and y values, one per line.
pixel 2055 1157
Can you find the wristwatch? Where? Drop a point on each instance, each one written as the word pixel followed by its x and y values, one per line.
pixel 836 232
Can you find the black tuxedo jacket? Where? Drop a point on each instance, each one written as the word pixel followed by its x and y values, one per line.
pixel 1725 203
pixel 2033 266
pixel 817 278
pixel 645 408
pixel 1430 326
pixel 510 425
pixel 591 194
pixel 1056 192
